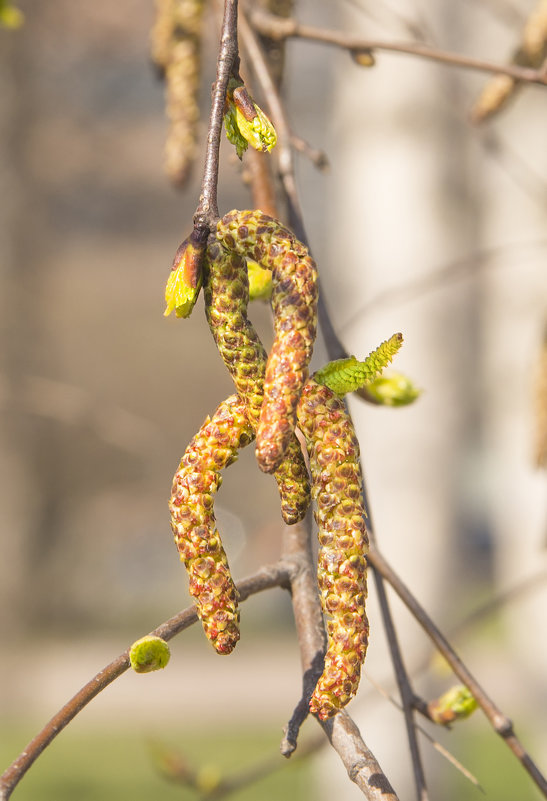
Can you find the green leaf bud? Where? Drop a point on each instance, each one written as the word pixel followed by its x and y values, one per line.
pixel 455 704
pixel 185 278
pixel 245 122
pixel 233 133
pixel 394 389
pixel 148 654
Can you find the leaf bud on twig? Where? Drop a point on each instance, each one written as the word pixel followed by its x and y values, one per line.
pixel 394 389
pixel 185 278
pixel 148 654
pixel 245 122
pixel 457 703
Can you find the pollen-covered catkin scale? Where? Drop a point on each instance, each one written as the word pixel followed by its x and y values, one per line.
pixel 196 481
pixel 336 487
pixel 226 293
pixel 294 303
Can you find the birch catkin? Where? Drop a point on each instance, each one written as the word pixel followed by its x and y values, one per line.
pixel 337 489
pixel 294 302
pixel 226 297
pixel 175 49
pixel 195 483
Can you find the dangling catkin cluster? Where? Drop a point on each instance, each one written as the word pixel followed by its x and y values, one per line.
pixel 195 483
pixel 226 292
pixel 294 304
pixel 336 487
pixel 274 393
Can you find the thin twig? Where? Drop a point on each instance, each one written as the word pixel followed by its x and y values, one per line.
pixel 263 75
pixel 256 56
pixel 258 174
pixel 317 157
pixel 436 745
pixel 386 14
pixel 358 760
pixel 501 724
pixel 281 28
pixel 403 680
pixel 173 766
pixel 277 575
pixel 309 623
pixel 439 277
pixel 207 210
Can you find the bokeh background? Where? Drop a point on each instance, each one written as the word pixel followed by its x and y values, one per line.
pixel 423 224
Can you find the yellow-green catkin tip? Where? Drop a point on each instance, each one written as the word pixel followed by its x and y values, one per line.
pixel 148 654
pixel 394 389
pixel 347 375
pixel 455 704
pixel 260 281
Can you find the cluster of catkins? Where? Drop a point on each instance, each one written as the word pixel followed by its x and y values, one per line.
pixel 274 395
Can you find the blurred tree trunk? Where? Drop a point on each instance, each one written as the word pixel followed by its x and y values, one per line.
pixel 29 493
pixel 403 207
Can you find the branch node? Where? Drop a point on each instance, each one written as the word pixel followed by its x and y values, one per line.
pixel 503 725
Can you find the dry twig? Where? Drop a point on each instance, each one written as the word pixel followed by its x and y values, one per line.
pixel 280 28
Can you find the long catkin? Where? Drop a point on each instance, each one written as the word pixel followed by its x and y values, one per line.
pixel 337 489
pixel 195 483
pixel 294 303
pixel 226 298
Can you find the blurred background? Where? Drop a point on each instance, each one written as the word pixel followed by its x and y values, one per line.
pixel 423 224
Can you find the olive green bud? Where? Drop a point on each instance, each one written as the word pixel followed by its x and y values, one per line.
pixel 148 654
pixel 245 122
pixel 455 704
pixel 394 389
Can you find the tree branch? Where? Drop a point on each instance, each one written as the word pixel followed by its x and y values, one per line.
pixel 403 680
pixel 281 28
pixel 500 723
pixel 207 210
pixel 277 575
pixel 263 75
pixel 343 734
